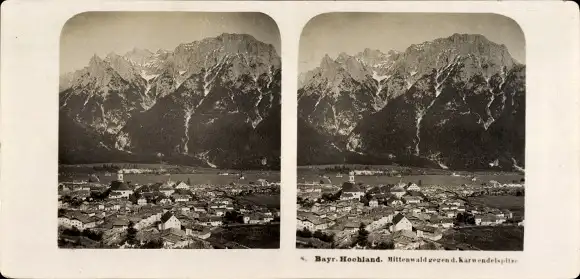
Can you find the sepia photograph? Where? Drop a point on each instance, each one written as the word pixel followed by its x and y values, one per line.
pixel 411 132
pixel 169 131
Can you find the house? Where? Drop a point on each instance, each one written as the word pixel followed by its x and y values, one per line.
pixel 449 213
pixel 79 220
pixel 120 225
pixel 199 232
pixel 255 219
pixel 379 223
pixel 400 222
pixel 181 185
pixel 182 198
pixel 488 220
pixel 147 219
pixel 167 189
pixel 478 219
pixel 267 219
pixel 120 189
pixel 142 201
pixel 373 203
pixel 429 232
pixel 351 227
pixel 398 191
pixel 219 212
pixel 393 201
pixel 412 199
pixel 508 214
pixel 351 191
pixel 406 240
pixel 445 223
pixel 169 221
pixel 413 187
pixel 199 208
pixel 215 221
pixel 174 240
pixel 165 201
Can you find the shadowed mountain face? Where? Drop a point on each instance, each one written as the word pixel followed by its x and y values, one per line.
pixel 214 102
pixel 456 102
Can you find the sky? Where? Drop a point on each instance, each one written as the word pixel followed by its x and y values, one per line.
pixel 333 33
pixel 100 33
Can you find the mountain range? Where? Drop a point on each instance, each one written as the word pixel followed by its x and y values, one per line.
pixel 452 103
pixel 213 102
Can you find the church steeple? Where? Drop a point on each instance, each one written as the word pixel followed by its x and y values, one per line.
pixel 351 177
pixel 120 175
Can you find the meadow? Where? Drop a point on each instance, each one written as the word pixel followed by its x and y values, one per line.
pixel 497 238
pixel 270 201
pixel 513 203
pixel 255 236
pixel 195 176
pixel 308 175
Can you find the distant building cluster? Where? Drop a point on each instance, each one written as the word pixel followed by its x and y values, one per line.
pixel 173 213
pixel 405 214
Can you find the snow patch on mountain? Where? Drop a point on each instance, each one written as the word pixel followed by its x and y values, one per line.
pixel 490 118
pixel 336 147
pixel 188 112
pixel 516 166
pixel 123 142
pixel 204 157
pixel 420 113
pixel 354 143
pixel 148 77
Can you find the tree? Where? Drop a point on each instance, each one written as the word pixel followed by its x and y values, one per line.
pixel 366 198
pixel 385 245
pixel 131 234
pixel 304 233
pixel 233 217
pixel 318 234
pixel 74 231
pixel 153 244
pixel 362 236
pixel 61 242
pixel 93 235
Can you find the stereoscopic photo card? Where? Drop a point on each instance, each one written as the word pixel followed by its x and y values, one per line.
pixel 192 113
pixel 414 139
pixel 290 139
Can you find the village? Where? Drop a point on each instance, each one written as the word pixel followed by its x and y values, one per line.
pixel 169 214
pixel 404 216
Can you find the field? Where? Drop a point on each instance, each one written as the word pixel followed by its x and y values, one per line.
pixel 308 175
pixel 513 203
pixel 498 238
pixel 200 176
pixel 254 236
pixel 271 201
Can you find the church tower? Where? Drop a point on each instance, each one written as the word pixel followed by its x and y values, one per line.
pixel 120 175
pixel 351 177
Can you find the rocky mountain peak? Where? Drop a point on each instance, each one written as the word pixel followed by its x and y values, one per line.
pixel 328 63
pixel 185 104
pixel 139 56
pixel 99 69
pixel 439 102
